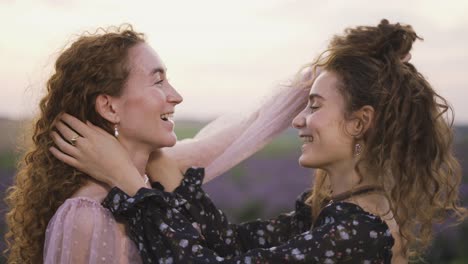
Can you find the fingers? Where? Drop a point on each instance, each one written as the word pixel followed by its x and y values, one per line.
pixel 64 157
pixel 96 128
pixel 66 132
pixel 83 129
pixel 76 124
pixel 64 146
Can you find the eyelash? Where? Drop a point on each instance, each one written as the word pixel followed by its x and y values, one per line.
pixel 313 108
pixel 160 82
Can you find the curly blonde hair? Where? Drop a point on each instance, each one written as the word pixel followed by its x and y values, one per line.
pixel 409 144
pixel 96 63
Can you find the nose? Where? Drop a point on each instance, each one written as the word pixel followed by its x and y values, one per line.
pixel 174 97
pixel 298 121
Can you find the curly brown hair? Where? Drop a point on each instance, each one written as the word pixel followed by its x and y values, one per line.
pixel 409 144
pixel 96 63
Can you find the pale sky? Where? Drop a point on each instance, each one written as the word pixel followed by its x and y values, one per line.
pixel 222 54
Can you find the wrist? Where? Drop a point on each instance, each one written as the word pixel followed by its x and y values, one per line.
pixel 129 182
pixel 132 187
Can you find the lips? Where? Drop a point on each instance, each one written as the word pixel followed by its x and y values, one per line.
pixel 167 116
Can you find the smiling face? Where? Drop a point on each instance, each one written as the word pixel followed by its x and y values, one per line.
pixel 322 126
pixel 147 102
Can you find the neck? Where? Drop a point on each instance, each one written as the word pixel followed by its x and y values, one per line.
pixel 344 177
pixel 138 154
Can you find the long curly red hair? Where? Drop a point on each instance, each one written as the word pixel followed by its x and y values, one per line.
pixel 409 144
pixel 94 64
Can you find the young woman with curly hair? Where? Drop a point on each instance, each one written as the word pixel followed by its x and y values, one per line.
pixel 377 133
pixel 115 80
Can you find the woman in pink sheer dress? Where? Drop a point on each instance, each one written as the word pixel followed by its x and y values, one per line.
pixel 118 82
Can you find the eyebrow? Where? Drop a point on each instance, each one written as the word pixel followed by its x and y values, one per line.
pixel 312 96
pixel 158 70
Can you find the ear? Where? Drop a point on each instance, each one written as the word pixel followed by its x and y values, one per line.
pixel 362 121
pixel 106 106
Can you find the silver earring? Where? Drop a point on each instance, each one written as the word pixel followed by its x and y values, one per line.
pixel 357 149
pixel 116 131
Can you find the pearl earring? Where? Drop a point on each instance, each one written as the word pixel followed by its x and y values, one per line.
pixel 116 131
pixel 357 149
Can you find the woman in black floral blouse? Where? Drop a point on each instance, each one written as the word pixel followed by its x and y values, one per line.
pixel 375 131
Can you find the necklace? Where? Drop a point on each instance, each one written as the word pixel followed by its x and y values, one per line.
pixel 355 192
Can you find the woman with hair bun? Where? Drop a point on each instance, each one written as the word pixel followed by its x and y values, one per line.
pixel 375 131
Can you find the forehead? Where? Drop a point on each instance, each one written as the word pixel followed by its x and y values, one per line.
pixel 326 85
pixel 143 59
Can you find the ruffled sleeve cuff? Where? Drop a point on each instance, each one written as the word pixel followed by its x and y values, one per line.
pixel 121 204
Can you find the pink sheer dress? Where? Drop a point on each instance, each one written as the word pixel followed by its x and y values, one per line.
pixel 82 231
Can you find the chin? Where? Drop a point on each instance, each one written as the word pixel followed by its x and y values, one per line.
pixel 167 141
pixel 171 144
pixel 307 163
pixel 303 162
pixel 171 140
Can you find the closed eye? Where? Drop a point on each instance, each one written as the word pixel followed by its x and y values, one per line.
pixel 314 108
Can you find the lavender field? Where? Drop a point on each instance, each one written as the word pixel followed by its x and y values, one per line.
pixel 269 182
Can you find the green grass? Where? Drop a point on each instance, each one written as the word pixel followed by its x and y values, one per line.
pixel 186 132
pixel 8 160
pixel 239 173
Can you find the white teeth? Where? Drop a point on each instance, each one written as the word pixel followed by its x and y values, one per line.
pixel 167 117
pixel 307 139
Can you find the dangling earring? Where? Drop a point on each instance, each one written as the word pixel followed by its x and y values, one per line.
pixel 357 149
pixel 116 131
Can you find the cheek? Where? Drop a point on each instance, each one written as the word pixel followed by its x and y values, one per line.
pixel 135 103
pixel 328 130
pixel 318 124
pixel 145 103
pixel 140 114
pixel 314 122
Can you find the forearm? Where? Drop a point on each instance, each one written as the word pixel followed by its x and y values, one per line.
pixel 273 117
pixel 211 141
pixel 164 233
pixel 217 229
pixel 168 165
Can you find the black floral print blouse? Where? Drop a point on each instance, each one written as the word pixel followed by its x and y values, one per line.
pixel 186 227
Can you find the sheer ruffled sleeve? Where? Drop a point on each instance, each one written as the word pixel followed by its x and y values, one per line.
pixel 82 231
pixel 233 239
pixel 230 139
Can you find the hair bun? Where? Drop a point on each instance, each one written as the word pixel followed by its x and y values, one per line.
pixel 395 39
